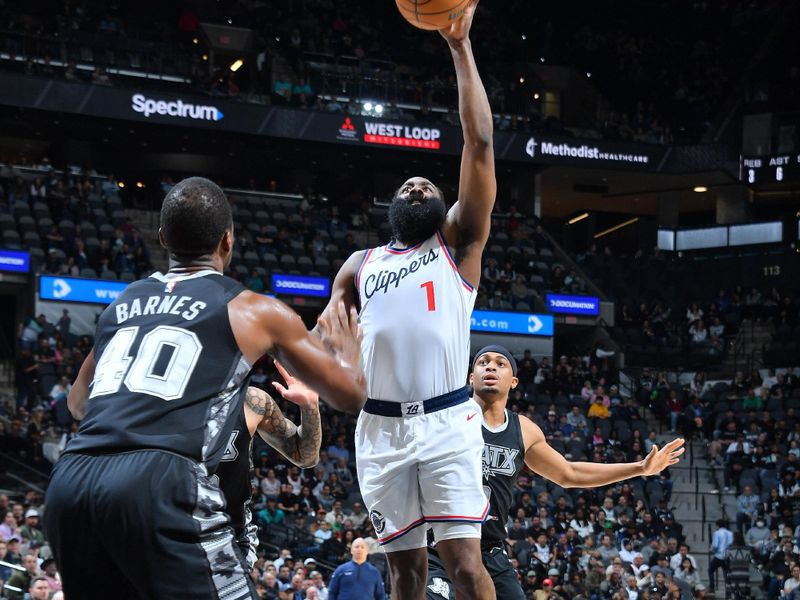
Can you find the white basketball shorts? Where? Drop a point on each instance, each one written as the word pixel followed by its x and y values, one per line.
pixel 422 470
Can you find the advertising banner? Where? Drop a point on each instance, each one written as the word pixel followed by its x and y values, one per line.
pixel 573 305
pixel 190 110
pixel 512 323
pixel 73 289
pixel 300 285
pixel 15 260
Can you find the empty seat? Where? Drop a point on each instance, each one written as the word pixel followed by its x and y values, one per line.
pixel 66 227
pixel 304 264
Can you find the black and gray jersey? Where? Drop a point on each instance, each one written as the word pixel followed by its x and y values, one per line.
pixel 168 370
pixel 503 459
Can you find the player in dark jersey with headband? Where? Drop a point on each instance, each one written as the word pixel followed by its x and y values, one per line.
pixel 300 444
pixel 132 509
pixel 511 441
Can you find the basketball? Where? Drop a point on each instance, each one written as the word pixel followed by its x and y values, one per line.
pixel 432 14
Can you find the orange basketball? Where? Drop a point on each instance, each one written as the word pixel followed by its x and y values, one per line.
pixel 432 14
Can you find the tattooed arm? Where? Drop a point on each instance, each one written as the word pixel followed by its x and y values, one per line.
pixel 299 444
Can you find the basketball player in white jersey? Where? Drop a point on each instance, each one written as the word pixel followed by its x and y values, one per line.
pixel 418 439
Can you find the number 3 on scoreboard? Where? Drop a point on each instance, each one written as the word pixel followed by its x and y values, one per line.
pixel 428 285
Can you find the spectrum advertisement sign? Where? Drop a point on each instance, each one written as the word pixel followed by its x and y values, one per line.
pixel 511 323
pixel 14 260
pixel 573 305
pixel 73 289
pixel 299 285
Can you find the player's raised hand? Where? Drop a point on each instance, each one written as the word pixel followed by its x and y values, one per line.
pixel 459 30
pixel 658 460
pixel 295 391
pixel 341 334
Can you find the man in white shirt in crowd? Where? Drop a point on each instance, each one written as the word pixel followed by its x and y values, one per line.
pixel 357 515
pixel 677 558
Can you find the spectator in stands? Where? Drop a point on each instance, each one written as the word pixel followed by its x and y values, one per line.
pixel 698 334
pixel 357 515
pixel 721 540
pixel 270 485
pixel 30 531
pixel 339 450
pixel 23 579
pixel 51 574
pixel 747 507
pixel 694 314
pixel 39 589
pixel 9 527
pixel 675 408
pixel 598 409
pixel 757 536
pixel 675 562
pixel 5 572
pixel 288 501
pixel 790 584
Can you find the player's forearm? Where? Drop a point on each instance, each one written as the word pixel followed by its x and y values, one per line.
pixel 309 438
pixel 586 474
pixel 473 104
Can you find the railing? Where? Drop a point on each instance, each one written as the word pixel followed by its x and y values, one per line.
pixel 21 469
pixel 120 55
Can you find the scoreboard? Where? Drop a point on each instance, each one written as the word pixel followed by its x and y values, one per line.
pixel 777 168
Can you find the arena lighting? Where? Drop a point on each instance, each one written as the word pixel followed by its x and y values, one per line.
pixel 368 106
pixel 541 59
pixel 616 227
pixel 588 74
pixel 574 220
pixel 700 189
pixel 139 184
pixel 536 96
pixel 379 108
pixel 121 184
pixel 205 56
pixel 522 80
pixel 195 41
pixel 236 65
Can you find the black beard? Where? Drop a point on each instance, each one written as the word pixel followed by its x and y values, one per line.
pixel 414 223
pixel 488 390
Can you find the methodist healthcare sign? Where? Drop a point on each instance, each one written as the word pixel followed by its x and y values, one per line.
pixel 511 323
pixel 574 152
pixel 13 260
pixel 298 285
pixel 573 305
pixel 73 289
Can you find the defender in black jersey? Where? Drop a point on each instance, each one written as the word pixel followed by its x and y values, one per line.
pixel 132 509
pixel 300 444
pixel 512 441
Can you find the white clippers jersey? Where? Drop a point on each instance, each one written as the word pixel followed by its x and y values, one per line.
pixel 415 311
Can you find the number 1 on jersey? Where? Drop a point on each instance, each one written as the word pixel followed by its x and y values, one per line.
pixel 428 285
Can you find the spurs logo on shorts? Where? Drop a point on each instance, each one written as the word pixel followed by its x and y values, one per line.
pixel 440 586
pixel 378 522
